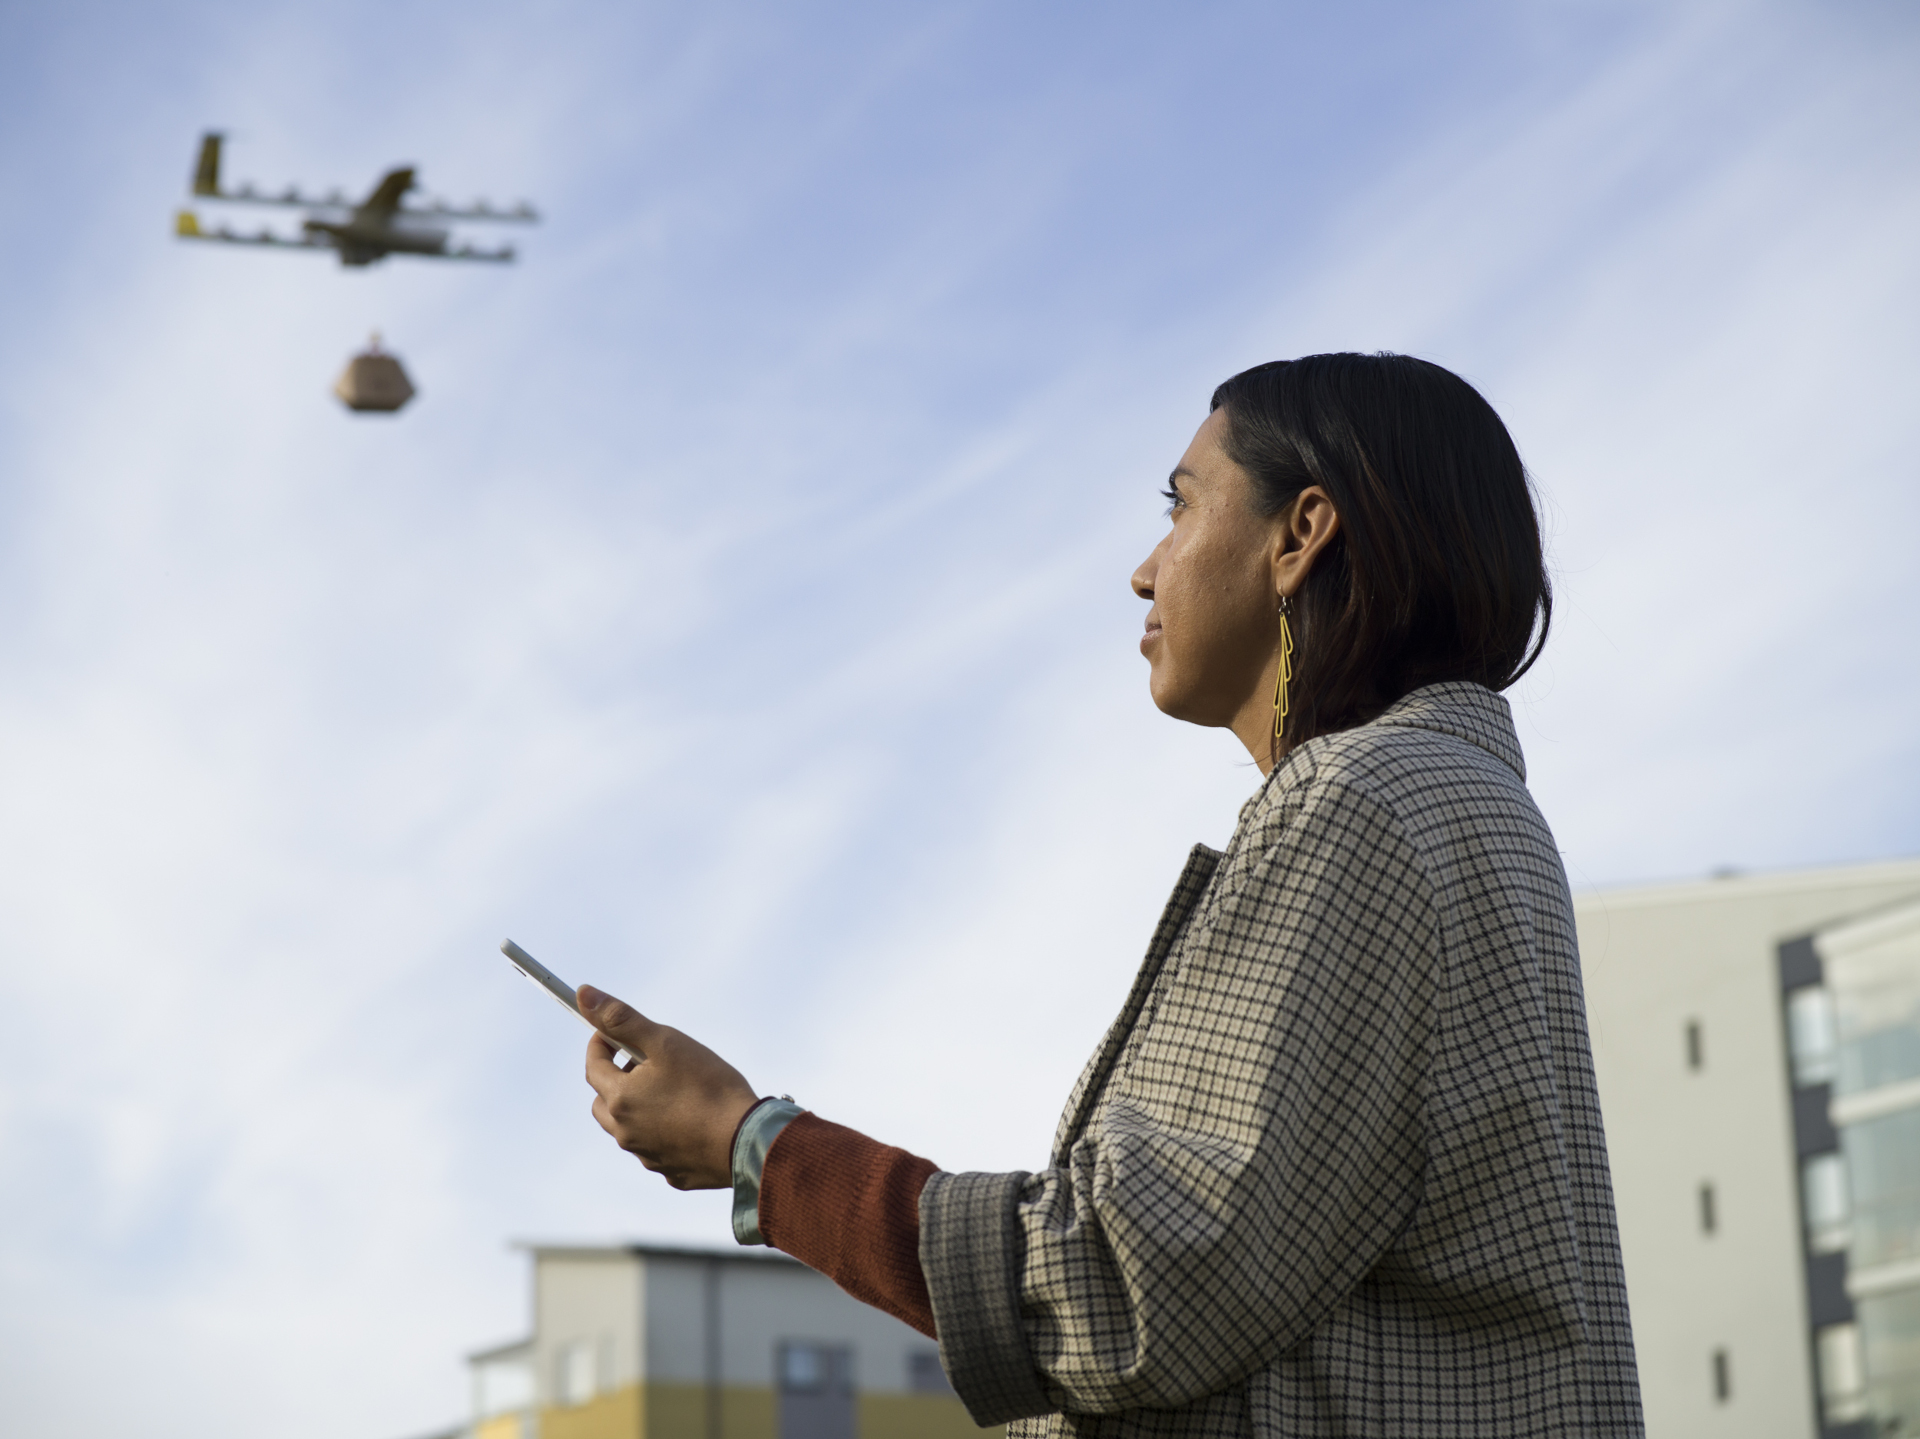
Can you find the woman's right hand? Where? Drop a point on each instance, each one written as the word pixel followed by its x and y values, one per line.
pixel 677 1109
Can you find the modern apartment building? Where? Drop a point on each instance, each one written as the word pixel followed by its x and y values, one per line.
pixel 645 1342
pixel 1757 1042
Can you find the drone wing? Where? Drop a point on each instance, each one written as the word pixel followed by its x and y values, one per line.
pixel 206 181
pixel 187 226
pixel 502 256
pixel 379 208
pixel 522 213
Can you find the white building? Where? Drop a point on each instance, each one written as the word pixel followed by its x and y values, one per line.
pixel 1757 1043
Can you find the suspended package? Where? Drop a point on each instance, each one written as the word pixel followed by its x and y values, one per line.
pixel 373 380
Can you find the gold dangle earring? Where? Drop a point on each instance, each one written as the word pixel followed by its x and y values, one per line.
pixel 1283 677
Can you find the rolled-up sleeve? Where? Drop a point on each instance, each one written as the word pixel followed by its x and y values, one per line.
pixel 1258 1147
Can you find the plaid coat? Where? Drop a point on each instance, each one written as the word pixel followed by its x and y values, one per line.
pixel 1337 1168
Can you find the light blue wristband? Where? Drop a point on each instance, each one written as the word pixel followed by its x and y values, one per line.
pixel 757 1132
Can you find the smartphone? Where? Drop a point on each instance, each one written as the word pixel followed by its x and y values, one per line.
pixel 552 984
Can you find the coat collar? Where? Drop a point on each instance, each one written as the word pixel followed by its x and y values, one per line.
pixel 1466 711
pixel 1458 708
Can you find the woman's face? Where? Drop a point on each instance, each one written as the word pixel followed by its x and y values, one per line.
pixel 1213 631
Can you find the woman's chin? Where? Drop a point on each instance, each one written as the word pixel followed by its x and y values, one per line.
pixel 1169 699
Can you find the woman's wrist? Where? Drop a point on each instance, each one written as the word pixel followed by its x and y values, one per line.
pixel 758 1128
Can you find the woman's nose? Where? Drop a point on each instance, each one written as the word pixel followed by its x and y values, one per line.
pixel 1144 577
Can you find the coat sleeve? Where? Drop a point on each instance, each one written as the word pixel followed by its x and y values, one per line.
pixel 1259 1149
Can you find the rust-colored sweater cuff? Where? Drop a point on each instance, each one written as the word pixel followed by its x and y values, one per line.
pixel 849 1207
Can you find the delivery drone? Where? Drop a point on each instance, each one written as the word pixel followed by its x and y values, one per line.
pixel 375 228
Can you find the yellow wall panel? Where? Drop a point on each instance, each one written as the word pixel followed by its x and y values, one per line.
pixel 501 1426
pixel 608 1416
pixel 679 1411
pixel 747 1414
pixel 917 1416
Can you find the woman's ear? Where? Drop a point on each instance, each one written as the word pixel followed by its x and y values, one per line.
pixel 1306 527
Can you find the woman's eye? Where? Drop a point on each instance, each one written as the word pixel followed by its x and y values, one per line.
pixel 1174 502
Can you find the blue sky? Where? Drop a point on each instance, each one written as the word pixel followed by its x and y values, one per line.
pixel 739 618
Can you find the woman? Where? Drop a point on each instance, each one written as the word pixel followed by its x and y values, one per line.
pixel 1337 1168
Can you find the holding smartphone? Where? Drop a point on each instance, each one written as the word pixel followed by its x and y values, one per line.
pixel 550 982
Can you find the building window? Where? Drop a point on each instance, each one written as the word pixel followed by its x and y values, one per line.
pixel 501 1386
pixel 1843 1377
pixel 802 1368
pixel 924 1374
pixel 1824 1198
pixel 1722 1377
pixel 1882 1179
pixel 574 1379
pixel 816 1391
pixel 1812 1035
pixel 1709 1219
pixel 814 1368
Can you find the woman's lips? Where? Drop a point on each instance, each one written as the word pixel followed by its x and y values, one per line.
pixel 1152 634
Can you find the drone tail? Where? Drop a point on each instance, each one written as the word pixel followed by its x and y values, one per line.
pixel 206 174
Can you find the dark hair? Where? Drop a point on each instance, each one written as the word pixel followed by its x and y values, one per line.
pixel 1436 572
